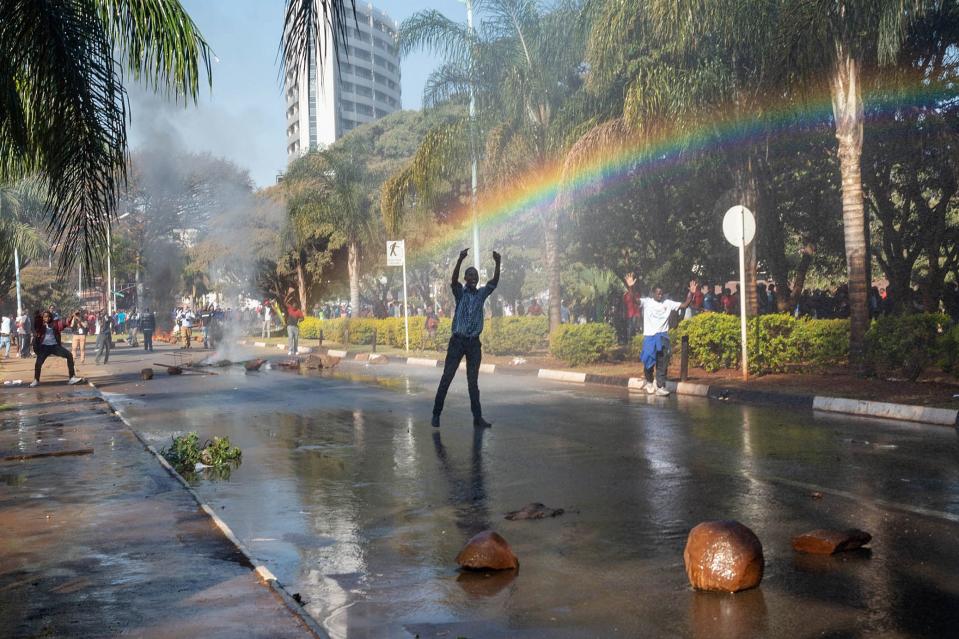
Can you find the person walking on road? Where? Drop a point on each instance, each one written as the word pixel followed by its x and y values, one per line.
pixel 148 324
pixel 48 342
pixel 24 331
pixel 293 317
pixel 186 327
pixel 467 326
pixel 79 345
pixel 104 337
pixel 656 352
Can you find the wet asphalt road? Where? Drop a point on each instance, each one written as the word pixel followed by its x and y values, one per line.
pixel 355 502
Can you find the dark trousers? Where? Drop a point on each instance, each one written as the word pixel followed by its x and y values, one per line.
pixel 103 348
pixel 43 352
pixel 662 364
pixel 472 349
pixel 148 340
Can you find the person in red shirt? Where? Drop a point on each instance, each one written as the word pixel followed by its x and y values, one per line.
pixel 293 317
pixel 631 308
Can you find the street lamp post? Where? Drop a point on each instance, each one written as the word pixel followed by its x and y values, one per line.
pixel 473 168
pixel 16 266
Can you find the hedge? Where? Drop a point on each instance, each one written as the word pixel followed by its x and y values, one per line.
pixel 776 342
pixel 501 335
pixel 907 344
pixel 896 345
pixel 578 344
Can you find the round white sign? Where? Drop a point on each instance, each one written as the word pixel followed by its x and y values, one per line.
pixel 739 226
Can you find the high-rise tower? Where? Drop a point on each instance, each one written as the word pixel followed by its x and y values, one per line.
pixel 325 101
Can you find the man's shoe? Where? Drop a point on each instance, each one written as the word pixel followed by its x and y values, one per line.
pixel 74 380
pixel 435 422
pixel 34 384
pixel 479 422
pixel 650 388
pixel 662 392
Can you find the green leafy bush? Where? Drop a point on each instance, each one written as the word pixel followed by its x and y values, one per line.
pixel 515 335
pixel 949 350
pixel 770 344
pixel 217 454
pixel 310 327
pixel 905 344
pixel 821 343
pixel 578 344
pixel 713 340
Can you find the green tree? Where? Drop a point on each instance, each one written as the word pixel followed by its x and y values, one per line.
pixel 62 101
pixel 331 190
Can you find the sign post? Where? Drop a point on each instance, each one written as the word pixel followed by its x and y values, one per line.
pixel 396 256
pixel 739 227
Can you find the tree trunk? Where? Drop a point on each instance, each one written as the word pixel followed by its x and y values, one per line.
pixel 354 271
pixel 301 280
pixel 551 246
pixel 848 111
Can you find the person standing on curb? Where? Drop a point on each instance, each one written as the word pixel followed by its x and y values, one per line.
pixel 467 326
pixel 48 342
pixel 293 317
pixel 656 351
pixel 148 324
pixel 104 337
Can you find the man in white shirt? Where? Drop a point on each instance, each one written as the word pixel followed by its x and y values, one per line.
pixel 267 320
pixel 186 326
pixel 5 327
pixel 656 351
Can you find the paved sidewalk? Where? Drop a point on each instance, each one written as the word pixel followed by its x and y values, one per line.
pixel 98 540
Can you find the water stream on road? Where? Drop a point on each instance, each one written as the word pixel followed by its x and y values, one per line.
pixel 353 501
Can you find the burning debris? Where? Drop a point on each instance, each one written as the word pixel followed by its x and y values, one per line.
pixel 534 510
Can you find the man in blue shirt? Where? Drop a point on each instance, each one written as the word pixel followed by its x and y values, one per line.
pixel 467 326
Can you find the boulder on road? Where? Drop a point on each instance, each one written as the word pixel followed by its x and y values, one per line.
pixel 487 551
pixel 724 556
pixel 829 542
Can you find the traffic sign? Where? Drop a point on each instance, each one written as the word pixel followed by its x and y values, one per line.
pixel 739 226
pixel 396 253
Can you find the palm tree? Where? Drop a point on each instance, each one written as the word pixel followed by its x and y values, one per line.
pixel 836 43
pixel 63 107
pixel 522 65
pixel 331 189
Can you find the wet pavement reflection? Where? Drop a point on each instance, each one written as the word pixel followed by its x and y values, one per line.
pixel 355 502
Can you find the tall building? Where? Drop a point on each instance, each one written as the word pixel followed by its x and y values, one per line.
pixel 338 96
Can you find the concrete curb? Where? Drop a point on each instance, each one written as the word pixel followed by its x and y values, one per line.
pixel 862 408
pixel 262 572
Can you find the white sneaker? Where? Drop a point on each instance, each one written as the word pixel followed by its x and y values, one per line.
pixel 74 380
pixel 34 384
pixel 662 392
pixel 650 388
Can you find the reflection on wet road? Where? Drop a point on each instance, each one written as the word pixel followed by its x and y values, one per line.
pixel 355 502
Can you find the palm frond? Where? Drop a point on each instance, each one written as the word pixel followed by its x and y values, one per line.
pixel 435 32
pixel 448 82
pixel 310 24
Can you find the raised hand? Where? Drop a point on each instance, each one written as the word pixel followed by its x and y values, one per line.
pixel 630 280
pixel 464 253
pixel 496 256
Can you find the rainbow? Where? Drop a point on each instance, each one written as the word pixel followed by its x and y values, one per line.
pixel 540 188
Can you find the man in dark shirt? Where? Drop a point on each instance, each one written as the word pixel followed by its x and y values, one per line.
pixel 467 326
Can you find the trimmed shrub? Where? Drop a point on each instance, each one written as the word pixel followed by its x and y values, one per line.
pixel 770 344
pixel 310 328
pixel 821 343
pixel 905 344
pixel 578 344
pixel 949 350
pixel 713 340
pixel 515 335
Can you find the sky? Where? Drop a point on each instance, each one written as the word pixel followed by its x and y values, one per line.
pixel 242 116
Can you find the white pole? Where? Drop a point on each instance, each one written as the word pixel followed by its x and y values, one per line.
pixel 742 295
pixel 109 273
pixel 473 172
pixel 16 267
pixel 406 310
